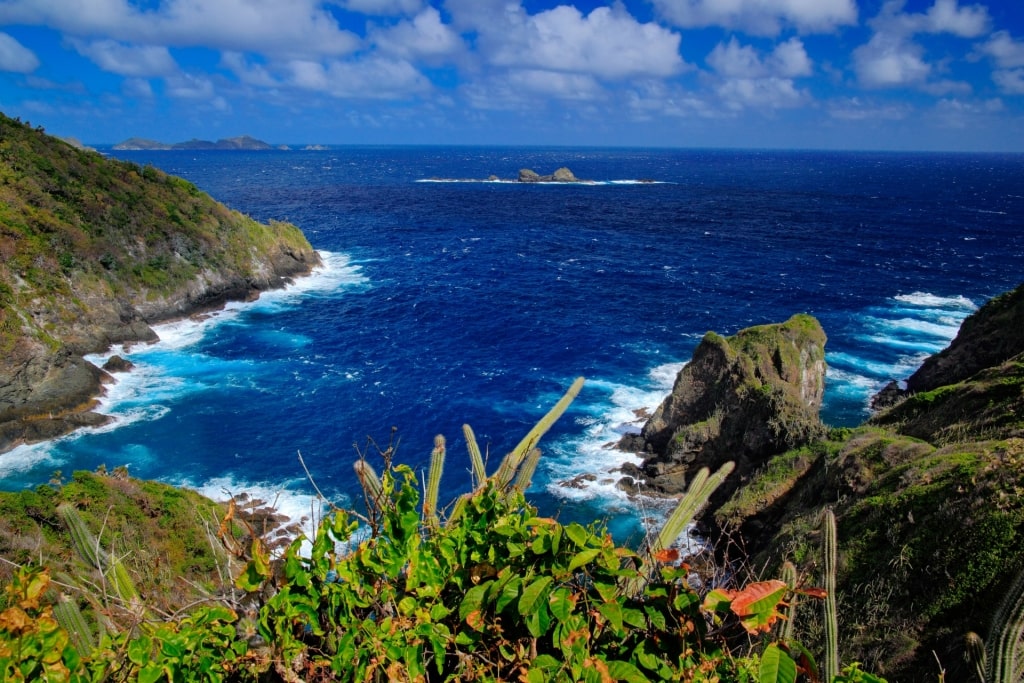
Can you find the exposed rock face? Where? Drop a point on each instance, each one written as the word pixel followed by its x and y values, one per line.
pixel 745 398
pixel 562 175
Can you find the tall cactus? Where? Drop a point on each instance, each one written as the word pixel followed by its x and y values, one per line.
pixel 790 578
pixel 511 462
pixel 828 533
pixel 526 471
pixel 370 482
pixel 1005 652
pixel 71 619
pixel 87 545
pixel 701 487
pixel 434 482
pixel 475 459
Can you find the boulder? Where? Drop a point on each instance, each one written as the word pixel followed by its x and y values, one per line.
pixel 564 175
pixel 743 398
pixel 527 175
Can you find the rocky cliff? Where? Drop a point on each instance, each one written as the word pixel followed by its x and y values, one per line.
pixel 743 398
pixel 929 508
pixel 94 251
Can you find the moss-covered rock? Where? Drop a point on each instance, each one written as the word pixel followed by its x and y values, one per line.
pixel 743 398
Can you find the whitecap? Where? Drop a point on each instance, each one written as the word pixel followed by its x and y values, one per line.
pixel 932 300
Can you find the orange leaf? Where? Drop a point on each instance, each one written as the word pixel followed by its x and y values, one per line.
pixel 756 604
pixel 819 593
pixel 667 556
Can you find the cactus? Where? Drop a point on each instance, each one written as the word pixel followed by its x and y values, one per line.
pixel 87 545
pixel 434 482
pixel 1005 655
pixel 831 657
pixel 511 462
pixel 70 617
pixel 974 653
pixel 479 472
pixel 789 577
pixel 529 466
pixel 701 487
pixel 369 480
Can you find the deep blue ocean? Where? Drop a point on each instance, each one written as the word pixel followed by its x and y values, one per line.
pixel 447 299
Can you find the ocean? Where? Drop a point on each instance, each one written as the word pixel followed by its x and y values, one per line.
pixel 447 298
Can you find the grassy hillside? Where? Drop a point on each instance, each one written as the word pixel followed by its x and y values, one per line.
pixel 94 250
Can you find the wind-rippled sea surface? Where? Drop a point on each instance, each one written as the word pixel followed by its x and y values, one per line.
pixel 449 299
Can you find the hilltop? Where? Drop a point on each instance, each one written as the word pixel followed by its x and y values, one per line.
pixel 93 251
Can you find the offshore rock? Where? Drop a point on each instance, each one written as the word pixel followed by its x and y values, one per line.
pixel 743 398
pixel 562 175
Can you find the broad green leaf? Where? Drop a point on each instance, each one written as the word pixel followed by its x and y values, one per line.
pixel 624 671
pixel 474 599
pixel 776 666
pixel 583 557
pixel 509 592
pixel 533 594
pixel 612 611
pixel 577 534
pixel 562 603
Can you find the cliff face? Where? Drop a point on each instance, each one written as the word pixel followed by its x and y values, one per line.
pixel 92 252
pixel 743 398
pixel 927 498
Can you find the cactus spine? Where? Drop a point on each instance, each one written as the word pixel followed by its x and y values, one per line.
pixel 434 482
pixel 831 658
pixel 70 617
pixel 974 653
pixel 87 545
pixel 475 459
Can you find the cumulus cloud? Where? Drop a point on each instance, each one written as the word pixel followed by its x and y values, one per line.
pixel 608 43
pixel 855 109
pixel 16 57
pixel 748 80
pixel 891 58
pixel 425 37
pixel 1010 81
pixel 1001 47
pixel 137 88
pixel 297 27
pixel 760 17
pixel 373 78
pixel 128 60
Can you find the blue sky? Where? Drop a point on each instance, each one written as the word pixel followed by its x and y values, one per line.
pixel 835 74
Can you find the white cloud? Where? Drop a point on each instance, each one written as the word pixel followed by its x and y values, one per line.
pixel 128 60
pixel 16 57
pixel 383 7
pixel 891 58
pixel 555 84
pixel 1010 81
pixel 425 36
pixel 608 43
pixel 249 74
pixel 747 80
pixel 760 17
pixel 1007 52
pixel 296 27
pixel 855 109
pixel 137 88
pixel 787 60
pixel 372 78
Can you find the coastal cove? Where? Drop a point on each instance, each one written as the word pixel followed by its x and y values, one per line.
pixel 453 303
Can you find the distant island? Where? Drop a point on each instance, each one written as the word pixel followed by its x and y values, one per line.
pixel 242 142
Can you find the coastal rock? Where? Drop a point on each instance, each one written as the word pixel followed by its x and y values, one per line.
pixel 561 175
pixel 743 398
pixel 118 364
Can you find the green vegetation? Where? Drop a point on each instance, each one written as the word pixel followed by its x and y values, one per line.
pixel 496 593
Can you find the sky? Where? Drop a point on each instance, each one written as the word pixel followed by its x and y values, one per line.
pixel 936 75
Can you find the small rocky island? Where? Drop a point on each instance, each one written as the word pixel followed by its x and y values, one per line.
pixel 562 175
pixel 242 142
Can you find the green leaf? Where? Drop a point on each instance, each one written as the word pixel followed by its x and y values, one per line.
pixel 776 666
pixel 577 534
pixel 562 603
pixel 583 557
pixel 474 599
pixel 151 673
pixel 509 592
pixel 656 617
pixel 612 611
pixel 533 594
pixel 624 671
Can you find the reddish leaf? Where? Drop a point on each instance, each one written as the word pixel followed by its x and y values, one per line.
pixel 757 604
pixel 667 556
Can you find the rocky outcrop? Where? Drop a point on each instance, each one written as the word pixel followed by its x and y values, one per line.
pixel 562 175
pixel 242 142
pixel 743 398
pixel 98 261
